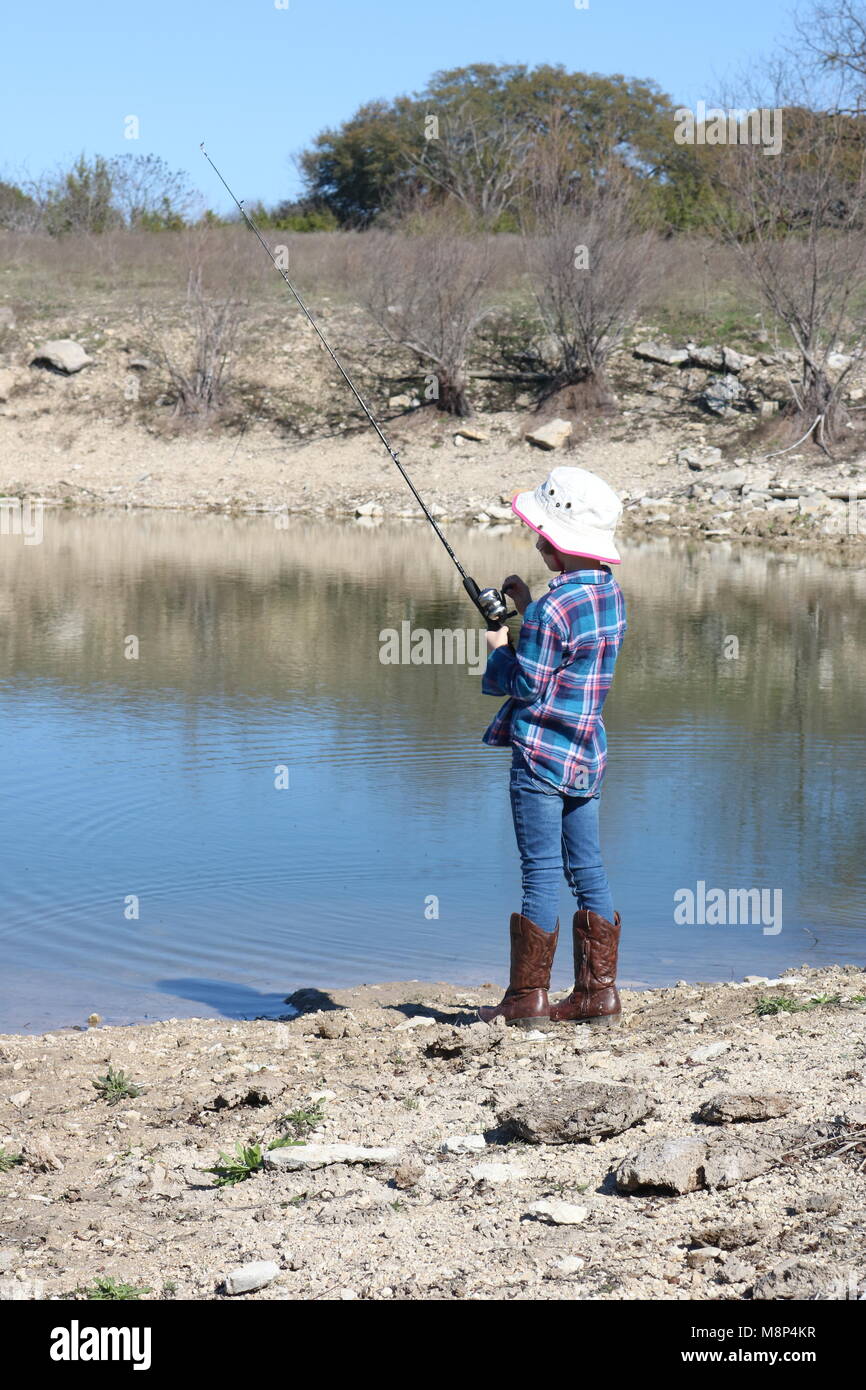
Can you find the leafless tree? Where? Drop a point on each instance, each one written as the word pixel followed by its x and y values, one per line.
pixel 475 160
pixel 427 292
pixel 588 265
pixel 833 36
pixel 144 189
pixel 795 220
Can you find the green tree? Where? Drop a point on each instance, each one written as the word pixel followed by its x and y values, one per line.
pixel 473 134
pixel 81 199
pixel 17 208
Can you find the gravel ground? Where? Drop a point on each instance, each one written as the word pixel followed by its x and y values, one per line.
pixel 668 1206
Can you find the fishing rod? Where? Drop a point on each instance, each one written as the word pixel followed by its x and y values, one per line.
pixel 489 602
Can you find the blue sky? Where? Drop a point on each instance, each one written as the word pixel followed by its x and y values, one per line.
pixel 257 82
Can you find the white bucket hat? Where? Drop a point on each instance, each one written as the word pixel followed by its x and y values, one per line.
pixel 576 511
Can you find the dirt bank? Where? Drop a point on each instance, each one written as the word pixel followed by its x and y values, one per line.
pixel 641 1193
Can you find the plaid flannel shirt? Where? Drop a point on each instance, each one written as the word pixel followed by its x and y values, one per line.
pixel 557 680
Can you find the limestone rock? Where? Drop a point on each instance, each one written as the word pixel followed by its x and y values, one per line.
pixel 468 432
pixel 728 1107
pixel 720 393
pixel 666 1165
pixel 655 352
pixel 62 355
pixel 559 1213
pixel 550 436
pixel 321 1155
pixel 496 1172
pixel 572 1113
pixel 703 456
pixel 254 1094
pixel 796 1279
pixel 463 1143
pixel 732 478
pixel 711 358
pixel 708 1052
pixel 248 1278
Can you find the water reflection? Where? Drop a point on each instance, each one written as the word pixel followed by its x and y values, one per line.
pixel 148 786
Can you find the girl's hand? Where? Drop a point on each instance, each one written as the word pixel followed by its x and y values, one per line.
pixel 518 591
pixel 497 638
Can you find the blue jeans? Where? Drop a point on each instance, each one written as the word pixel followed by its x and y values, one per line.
pixel 555 833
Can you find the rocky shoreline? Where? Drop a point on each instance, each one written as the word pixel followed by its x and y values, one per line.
pixel 712 1148
pixel 684 442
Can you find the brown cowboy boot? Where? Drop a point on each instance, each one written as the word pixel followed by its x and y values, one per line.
pixel 595 998
pixel 525 1002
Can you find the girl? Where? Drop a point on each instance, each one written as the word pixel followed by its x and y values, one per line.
pixel 557 680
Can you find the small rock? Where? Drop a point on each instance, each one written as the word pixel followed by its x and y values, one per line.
pixel 551 435
pixel 456 1042
pixel 62 355
pixel 705 1255
pixel 321 1155
pixel 731 1237
pixel 720 393
pixel 700 458
pixel 813 504
pixel 731 1106
pixel 408 1175
pixel 732 479
pixel 248 1278
pixel 572 1264
pixel 708 1052
pixel 20 1099
pixel 574 1112
pixel 655 352
pixel 828 1202
pixel 696 1017
pixel 259 1094
pixel 401 402
pixel 467 432
pixel 40 1154
pixel 838 361
pixel 369 509
pixel 797 1280
pixel 736 361
pixel 496 1172
pixel 420 1021
pixel 666 1165
pixel 735 1272
pixel 710 358
pixel 559 1213
pixel 463 1144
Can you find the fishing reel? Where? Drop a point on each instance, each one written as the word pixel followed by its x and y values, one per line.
pixel 490 604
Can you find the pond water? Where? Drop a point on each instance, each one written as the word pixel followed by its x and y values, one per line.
pixel 215 792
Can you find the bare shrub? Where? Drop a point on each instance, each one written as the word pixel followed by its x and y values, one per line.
pixel 427 291
pixel 199 366
pixel 795 221
pixel 588 265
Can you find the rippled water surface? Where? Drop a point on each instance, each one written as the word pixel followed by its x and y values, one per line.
pixel 148 784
